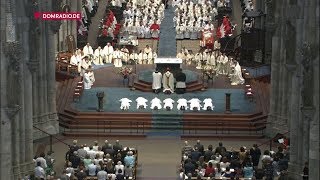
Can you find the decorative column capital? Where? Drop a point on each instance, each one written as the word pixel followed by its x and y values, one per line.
pixel 33 66
pixel 12 111
pixel 13 51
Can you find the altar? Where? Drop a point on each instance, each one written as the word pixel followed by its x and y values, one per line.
pixel 172 63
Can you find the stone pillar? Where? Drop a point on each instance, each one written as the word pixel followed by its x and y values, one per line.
pixel 270 28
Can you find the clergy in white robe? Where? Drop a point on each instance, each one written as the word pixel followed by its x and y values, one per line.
pixel 207 104
pixel 182 104
pixel 236 77
pixel 98 56
pixel 86 80
pixel 84 65
pixel 224 64
pixel 195 104
pixel 74 59
pixel 91 75
pixel 168 82
pixel 156 103
pixel 216 45
pixel 156 81
pixel 133 57
pixel 125 54
pixel 150 58
pixel 168 103
pixel 117 57
pixel 87 50
pixel 141 103
pixel 125 103
pixel 140 57
pixel 108 53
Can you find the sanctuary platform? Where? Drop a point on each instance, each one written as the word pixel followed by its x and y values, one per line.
pixel 78 115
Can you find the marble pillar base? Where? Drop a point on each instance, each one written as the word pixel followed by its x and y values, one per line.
pixel 295 171
pixel 49 124
pixel 23 170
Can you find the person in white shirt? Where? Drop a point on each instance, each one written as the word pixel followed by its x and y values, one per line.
pixel 119 166
pixel 125 103
pixel 39 171
pixel 141 103
pixel 92 153
pixel 156 103
pixel 207 104
pixel 195 104
pixel 182 104
pixel 98 56
pixel 168 103
pixel 107 52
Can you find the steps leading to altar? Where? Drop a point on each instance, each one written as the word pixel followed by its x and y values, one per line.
pixel 147 86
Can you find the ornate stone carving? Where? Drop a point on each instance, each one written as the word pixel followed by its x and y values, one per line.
pixel 33 66
pixel 12 111
pixel 308 52
pixel 56 7
pixel 34 31
pixel 13 51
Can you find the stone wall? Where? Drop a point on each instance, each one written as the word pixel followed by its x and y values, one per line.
pixel 294 105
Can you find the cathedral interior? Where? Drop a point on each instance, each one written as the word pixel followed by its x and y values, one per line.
pixel 37 114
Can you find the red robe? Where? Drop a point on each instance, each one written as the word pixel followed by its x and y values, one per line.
pixel 155 27
pixel 227 26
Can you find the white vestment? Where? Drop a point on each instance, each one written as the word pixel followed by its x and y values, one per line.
pixel 108 51
pixel 87 81
pixel 74 60
pixel 207 103
pixel 236 77
pixel 155 102
pixel 141 101
pixel 182 103
pixel 168 82
pixel 87 50
pixel 156 80
pixel 195 103
pixel 125 103
pixel 168 103
pixel 117 55
pixel 98 57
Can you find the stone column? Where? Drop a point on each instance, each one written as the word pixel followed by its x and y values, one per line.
pixel 270 28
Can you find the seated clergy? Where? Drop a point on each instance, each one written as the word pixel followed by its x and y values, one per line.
pixel 133 57
pixel 74 60
pixel 125 103
pixel 182 104
pixel 156 81
pixel 181 82
pixel 98 56
pixel 156 103
pixel 155 30
pixel 168 82
pixel 87 50
pixel 207 104
pixel 141 103
pixel 168 103
pixel 117 56
pixel 195 104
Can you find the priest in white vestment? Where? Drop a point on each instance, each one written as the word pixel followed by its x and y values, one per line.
pixel 182 104
pixel 141 103
pixel 195 104
pixel 207 104
pixel 86 80
pixel 74 59
pixel 91 75
pixel 156 81
pixel 236 77
pixel 168 103
pixel 125 103
pixel 168 82
pixel 133 57
pixel 156 103
pixel 84 65
pixel 98 56
pixel 108 53
pixel 117 56
pixel 87 50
